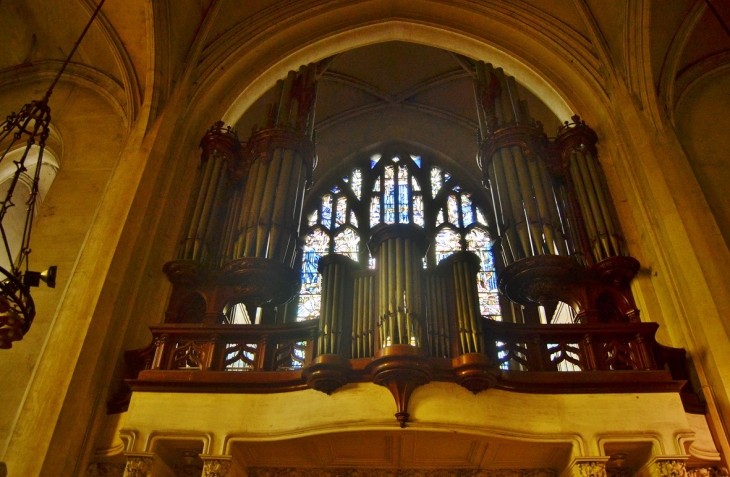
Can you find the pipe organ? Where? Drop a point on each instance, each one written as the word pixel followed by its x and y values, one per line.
pixel 242 228
pixel 557 239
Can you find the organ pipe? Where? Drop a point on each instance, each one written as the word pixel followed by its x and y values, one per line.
pixel 399 250
pixel 514 156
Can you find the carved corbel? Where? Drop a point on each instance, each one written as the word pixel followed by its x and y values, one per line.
pixel 146 464
pixel 401 369
pixel 220 466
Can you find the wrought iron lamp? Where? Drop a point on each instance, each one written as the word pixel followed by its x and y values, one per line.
pixel 32 125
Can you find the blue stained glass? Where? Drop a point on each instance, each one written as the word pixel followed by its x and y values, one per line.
pixel 374 211
pixel 452 210
pixel 371 262
pixel 356 183
pixel 403 195
pixel 315 245
pixel 447 241
pixel 447 176
pixel 312 219
pixel 436 182
pixel 467 214
pixel 347 243
pixel 389 196
pixel 418 210
pixel 341 214
pixel 335 189
pixel 415 184
pixel 396 159
pixel 353 218
pixel 345 179
pixel 417 160
pixel 327 211
pixel 480 216
pixel 440 218
pixel 374 160
pixel 457 188
pixel 376 186
pixel 478 242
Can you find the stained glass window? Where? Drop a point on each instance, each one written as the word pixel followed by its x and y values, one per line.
pixel 347 243
pixel 341 215
pixel 403 189
pixel 316 244
pixel 447 241
pixel 435 181
pixel 327 210
pixel 356 183
pixel 477 241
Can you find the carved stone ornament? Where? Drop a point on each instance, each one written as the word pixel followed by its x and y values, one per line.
pixel 592 469
pixel 139 466
pixel 216 467
pixel 671 468
pixel 276 472
pixel 105 470
pixel 707 472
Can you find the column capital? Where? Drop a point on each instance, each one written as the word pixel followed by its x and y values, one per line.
pixel 146 464
pixel 587 467
pixel 220 466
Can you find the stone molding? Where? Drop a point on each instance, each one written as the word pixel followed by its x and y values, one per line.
pixel 707 472
pixel 289 472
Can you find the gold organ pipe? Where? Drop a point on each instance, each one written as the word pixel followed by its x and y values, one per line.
pixel 241 221
pixel 473 306
pixel 335 310
pixel 280 206
pixel 399 289
pixel 508 219
pixel 527 199
pixel 285 99
pixel 369 296
pixel 292 219
pixel 199 203
pixel 602 238
pixel 507 113
pixel 392 293
pixel 459 298
pixel 583 202
pixel 249 244
pixel 542 205
pixel 516 200
pixel 207 209
pixel 602 195
pixel 190 213
pixel 553 209
pixel 356 317
pixel 382 300
pixel 514 99
pixel 212 227
pixel 267 205
pixel 444 325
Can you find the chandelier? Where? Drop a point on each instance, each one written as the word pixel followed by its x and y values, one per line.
pixel 28 129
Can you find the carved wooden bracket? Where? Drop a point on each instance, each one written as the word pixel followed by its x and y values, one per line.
pixel 401 369
pixel 327 373
pixel 475 372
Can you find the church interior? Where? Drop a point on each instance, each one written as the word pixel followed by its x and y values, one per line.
pixel 366 238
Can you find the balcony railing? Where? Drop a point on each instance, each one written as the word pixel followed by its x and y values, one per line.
pixel 525 358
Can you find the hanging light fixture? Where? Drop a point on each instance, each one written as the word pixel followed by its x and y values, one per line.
pixel 31 126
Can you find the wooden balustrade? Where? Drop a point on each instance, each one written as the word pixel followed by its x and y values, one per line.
pixel 524 358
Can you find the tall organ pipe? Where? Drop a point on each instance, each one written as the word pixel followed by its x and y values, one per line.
pixel 208 209
pixel 282 158
pixel 399 250
pixel 576 143
pixel 514 156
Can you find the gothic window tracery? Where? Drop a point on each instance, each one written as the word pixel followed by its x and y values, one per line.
pixel 395 188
